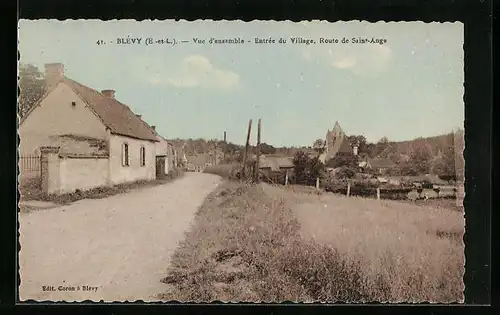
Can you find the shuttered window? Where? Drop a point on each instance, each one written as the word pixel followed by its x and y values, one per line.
pixel 125 158
pixel 143 156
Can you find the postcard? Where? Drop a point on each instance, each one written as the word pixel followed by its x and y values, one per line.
pixel 263 161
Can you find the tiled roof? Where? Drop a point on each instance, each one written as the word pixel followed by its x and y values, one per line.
pixel 275 163
pixel 115 115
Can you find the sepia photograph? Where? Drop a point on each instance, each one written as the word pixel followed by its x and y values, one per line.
pixel 232 161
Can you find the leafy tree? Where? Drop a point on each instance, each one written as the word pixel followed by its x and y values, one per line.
pixel 301 166
pixel 383 145
pixel 319 146
pixel 444 165
pixel 359 141
pixel 420 157
pixel 267 148
pixel 370 150
pixel 32 87
pixel 316 169
pixel 345 172
pixel 407 169
pixel 343 159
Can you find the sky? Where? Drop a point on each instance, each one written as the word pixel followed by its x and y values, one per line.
pixel 409 86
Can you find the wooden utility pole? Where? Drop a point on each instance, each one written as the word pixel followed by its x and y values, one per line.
pixel 245 154
pixel 257 157
pixel 224 149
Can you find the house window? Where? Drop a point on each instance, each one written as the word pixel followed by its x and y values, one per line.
pixel 125 158
pixel 143 156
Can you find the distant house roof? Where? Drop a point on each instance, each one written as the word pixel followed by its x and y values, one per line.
pixel 115 115
pixel 276 163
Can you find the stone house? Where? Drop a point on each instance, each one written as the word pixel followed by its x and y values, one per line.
pixel 72 110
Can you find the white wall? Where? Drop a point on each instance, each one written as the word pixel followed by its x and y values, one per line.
pixel 161 146
pixel 56 116
pixel 82 173
pixel 133 172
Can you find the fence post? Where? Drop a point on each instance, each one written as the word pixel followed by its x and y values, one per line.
pixel 51 177
pixel 286 178
pixel 348 189
pixel 317 183
pixel 378 193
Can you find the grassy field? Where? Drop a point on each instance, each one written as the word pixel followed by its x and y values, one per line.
pixel 267 243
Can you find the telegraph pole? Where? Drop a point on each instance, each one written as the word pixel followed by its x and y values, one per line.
pixel 245 155
pixel 257 158
pixel 224 149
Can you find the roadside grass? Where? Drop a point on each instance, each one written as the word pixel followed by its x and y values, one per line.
pixel 33 192
pixel 227 171
pixel 248 245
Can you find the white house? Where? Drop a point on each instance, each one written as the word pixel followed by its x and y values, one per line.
pixel 72 109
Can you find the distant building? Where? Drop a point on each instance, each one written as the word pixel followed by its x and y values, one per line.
pixel 274 163
pixel 336 142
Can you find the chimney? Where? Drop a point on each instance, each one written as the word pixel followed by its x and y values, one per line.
pixel 109 93
pixel 154 128
pixel 54 72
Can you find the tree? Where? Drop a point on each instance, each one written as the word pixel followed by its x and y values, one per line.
pixel 319 146
pixel 444 164
pixel 316 168
pixel 267 148
pixel 345 172
pixel 370 150
pixel 343 159
pixel 301 166
pixel 420 157
pixel 381 146
pixel 359 141
pixel 32 87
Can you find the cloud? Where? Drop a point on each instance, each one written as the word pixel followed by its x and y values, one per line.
pixel 198 71
pixel 362 59
pixel 346 63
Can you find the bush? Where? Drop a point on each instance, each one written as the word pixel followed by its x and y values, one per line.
pixel 228 171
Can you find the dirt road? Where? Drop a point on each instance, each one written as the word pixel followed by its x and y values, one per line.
pixel 113 249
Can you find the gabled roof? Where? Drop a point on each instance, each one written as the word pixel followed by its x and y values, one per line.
pixel 115 115
pixel 275 163
pixel 118 117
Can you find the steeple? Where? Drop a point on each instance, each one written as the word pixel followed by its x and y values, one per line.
pixel 337 130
